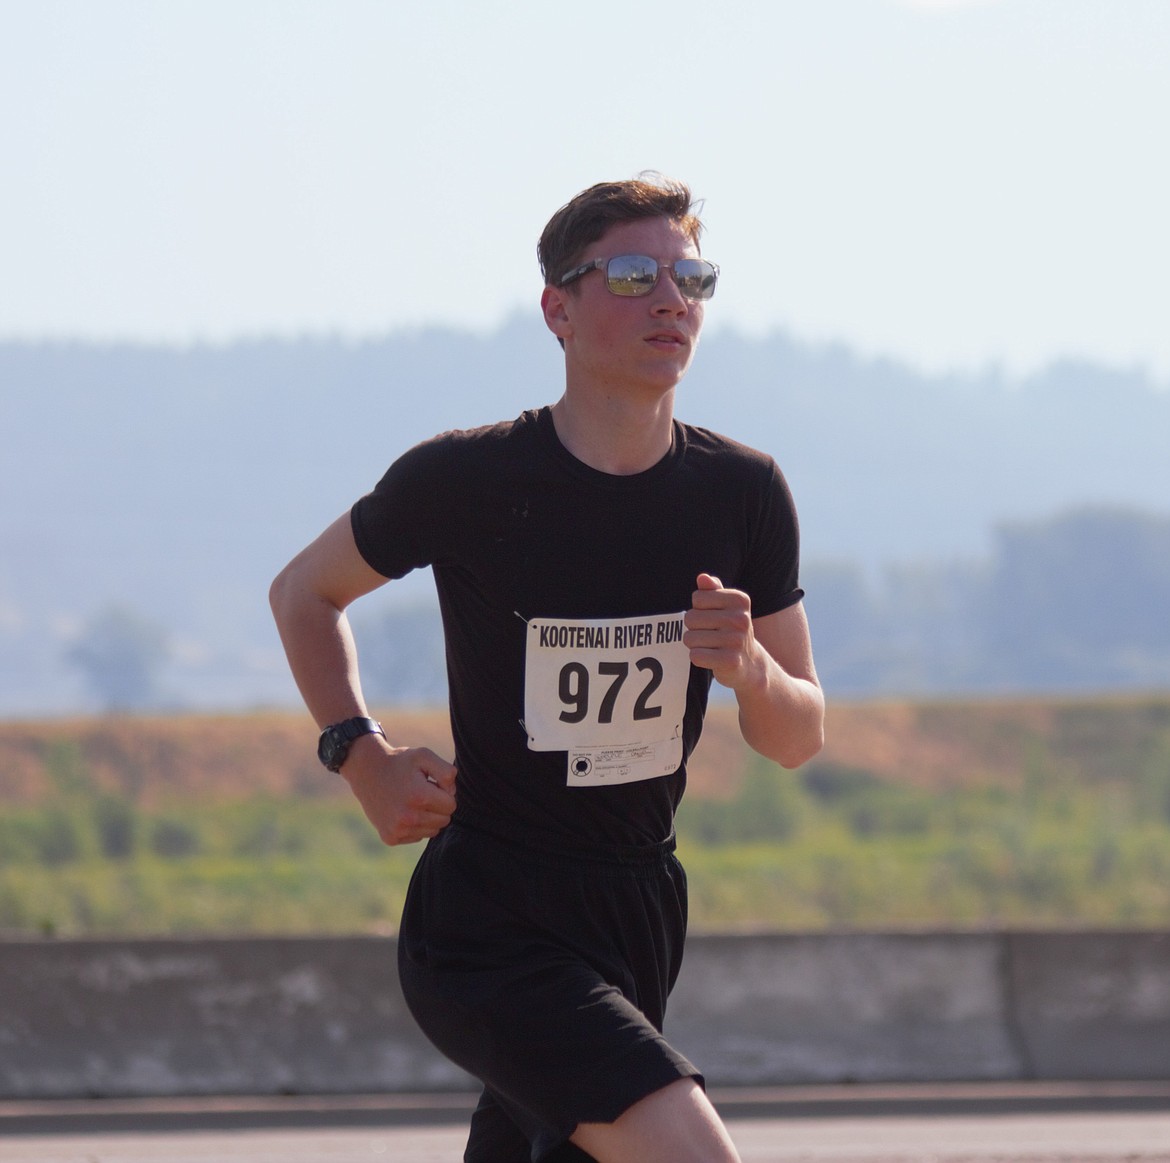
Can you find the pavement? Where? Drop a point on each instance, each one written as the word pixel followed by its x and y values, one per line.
pixel 956 1123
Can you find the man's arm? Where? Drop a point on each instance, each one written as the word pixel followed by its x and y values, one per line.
pixel 407 793
pixel 767 662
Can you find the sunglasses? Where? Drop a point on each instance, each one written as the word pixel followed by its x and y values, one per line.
pixel 637 274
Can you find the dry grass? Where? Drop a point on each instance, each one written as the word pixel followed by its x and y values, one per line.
pixel 159 759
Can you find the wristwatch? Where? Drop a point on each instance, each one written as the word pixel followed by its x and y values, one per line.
pixel 333 746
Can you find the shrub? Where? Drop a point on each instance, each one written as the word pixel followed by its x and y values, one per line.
pixel 116 825
pixel 174 839
pixel 58 839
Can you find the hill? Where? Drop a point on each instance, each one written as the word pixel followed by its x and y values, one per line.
pixel 171 484
pixel 929 745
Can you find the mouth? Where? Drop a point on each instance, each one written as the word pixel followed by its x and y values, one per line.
pixel 667 339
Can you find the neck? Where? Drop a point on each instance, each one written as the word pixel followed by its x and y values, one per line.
pixel 615 434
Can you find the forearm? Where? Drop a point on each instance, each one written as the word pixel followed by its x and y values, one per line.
pixel 320 649
pixel 781 716
pixel 767 662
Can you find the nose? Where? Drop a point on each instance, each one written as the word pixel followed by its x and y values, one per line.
pixel 667 299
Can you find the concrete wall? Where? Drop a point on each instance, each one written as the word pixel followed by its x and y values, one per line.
pixel 111 1018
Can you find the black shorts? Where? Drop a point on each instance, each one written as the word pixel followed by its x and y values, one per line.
pixel 545 975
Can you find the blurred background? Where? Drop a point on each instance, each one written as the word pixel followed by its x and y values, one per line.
pixel 251 251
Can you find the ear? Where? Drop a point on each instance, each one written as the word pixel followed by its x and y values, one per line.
pixel 555 305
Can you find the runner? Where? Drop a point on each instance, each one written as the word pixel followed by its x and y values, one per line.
pixel 598 563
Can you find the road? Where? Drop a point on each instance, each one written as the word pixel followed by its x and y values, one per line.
pixel 939 1124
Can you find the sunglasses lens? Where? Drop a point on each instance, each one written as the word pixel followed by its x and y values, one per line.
pixel 695 277
pixel 637 274
pixel 631 274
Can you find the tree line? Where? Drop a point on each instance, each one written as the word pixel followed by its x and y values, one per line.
pixel 1074 603
pixel 1077 602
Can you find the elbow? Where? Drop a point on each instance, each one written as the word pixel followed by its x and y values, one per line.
pixel 276 593
pixel 808 743
pixel 280 594
pixel 787 747
pixel 803 736
pixel 293 598
pixel 799 751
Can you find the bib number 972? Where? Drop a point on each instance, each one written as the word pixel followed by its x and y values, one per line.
pixel 575 688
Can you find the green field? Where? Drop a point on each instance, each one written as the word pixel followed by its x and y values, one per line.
pixel 1061 836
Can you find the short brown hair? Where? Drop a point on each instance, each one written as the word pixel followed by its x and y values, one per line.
pixel 592 212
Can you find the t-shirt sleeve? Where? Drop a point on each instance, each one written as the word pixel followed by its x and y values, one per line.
pixel 772 567
pixel 394 525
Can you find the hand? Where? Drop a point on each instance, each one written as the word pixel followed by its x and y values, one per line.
pixel 720 635
pixel 407 793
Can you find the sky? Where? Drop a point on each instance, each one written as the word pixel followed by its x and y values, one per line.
pixel 959 184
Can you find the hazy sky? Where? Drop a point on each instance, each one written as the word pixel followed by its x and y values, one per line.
pixel 954 183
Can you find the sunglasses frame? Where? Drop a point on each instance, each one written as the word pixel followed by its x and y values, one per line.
pixel 603 264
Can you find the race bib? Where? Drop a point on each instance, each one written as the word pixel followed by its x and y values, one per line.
pixel 610 692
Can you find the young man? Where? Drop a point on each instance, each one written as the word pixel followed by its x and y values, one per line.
pixel 597 564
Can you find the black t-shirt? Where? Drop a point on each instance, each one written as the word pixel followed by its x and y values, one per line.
pixel 561 590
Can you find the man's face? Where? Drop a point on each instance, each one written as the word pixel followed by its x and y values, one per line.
pixel 641 342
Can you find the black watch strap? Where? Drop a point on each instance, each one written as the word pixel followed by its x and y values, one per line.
pixel 333 746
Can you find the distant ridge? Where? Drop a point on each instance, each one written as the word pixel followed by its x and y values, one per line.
pixel 175 482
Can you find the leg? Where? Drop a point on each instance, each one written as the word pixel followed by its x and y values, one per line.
pixel 548 983
pixel 677 1124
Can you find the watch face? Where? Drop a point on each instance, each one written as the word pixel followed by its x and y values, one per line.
pixel 333 746
pixel 331 749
